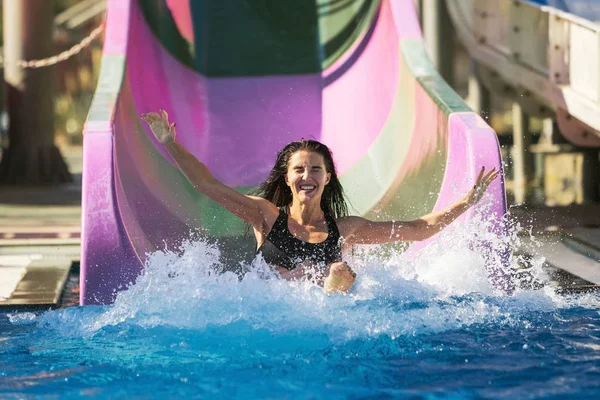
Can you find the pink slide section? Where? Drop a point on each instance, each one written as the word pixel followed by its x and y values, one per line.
pixel 404 143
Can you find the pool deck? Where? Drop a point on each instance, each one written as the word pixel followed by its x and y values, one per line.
pixel 40 240
pixel 567 237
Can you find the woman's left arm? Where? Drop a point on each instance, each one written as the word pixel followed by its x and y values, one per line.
pixel 358 230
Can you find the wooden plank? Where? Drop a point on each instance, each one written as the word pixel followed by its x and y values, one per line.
pixel 585 61
pixel 42 283
pixel 530 59
pixel 58 241
pixel 12 269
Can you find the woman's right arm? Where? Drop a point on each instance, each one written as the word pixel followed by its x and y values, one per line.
pixel 254 210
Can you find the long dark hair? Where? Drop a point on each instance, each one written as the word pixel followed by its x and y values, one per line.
pixel 278 192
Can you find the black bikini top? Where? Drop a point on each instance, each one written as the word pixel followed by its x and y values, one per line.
pixel 282 249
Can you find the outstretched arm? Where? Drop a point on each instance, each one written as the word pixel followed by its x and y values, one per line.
pixel 249 208
pixel 358 230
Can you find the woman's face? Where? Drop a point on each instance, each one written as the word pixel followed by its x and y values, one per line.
pixel 307 176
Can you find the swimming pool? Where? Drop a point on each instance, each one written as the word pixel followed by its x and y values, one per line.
pixel 429 327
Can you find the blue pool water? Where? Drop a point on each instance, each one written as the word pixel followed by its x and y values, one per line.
pixel 426 326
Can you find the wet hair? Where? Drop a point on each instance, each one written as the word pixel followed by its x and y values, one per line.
pixel 276 190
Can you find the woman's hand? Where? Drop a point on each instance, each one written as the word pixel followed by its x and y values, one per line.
pixel 340 279
pixel 159 124
pixel 482 183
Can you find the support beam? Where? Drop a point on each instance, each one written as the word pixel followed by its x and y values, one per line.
pixel 437 30
pixel 522 157
pixel 31 156
pixel 479 95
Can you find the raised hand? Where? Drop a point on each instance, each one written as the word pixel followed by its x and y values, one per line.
pixel 482 183
pixel 159 124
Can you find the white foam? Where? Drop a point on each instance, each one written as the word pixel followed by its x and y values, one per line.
pixel 442 287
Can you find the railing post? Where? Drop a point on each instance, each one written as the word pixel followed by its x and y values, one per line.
pixel 438 34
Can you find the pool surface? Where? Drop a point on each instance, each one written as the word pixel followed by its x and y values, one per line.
pixel 423 327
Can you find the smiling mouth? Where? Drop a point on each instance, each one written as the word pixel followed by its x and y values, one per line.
pixel 307 188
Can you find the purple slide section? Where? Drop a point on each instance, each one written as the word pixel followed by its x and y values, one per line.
pixel 397 131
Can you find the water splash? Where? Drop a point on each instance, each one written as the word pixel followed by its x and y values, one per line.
pixel 442 287
pixel 425 322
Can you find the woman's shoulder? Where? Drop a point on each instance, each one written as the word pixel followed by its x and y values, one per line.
pixel 265 204
pixel 270 212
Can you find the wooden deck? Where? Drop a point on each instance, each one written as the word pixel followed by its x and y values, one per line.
pixel 39 239
pixel 35 276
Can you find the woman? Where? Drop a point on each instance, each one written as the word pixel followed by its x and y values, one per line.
pixel 299 215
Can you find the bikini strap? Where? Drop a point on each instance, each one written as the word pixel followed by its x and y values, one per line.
pixel 280 225
pixel 332 227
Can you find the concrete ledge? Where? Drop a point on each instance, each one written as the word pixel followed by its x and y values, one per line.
pixel 559 255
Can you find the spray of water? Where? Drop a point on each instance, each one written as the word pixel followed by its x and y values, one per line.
pixel 447 285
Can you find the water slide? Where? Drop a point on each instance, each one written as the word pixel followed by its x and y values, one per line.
pixel 544 53
pixel 243 80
